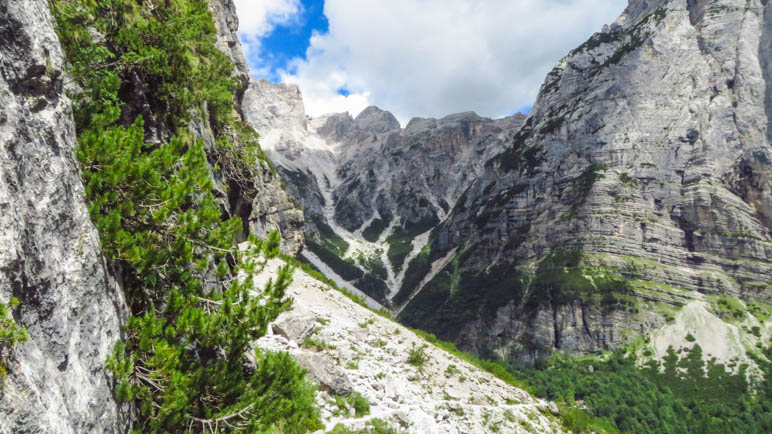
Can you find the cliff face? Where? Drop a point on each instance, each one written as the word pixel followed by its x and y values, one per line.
pixel 261 201
pixel 50 257
pixel 641 180
pixel 370 189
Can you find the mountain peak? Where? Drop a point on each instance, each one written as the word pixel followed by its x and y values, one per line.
pixel 376 120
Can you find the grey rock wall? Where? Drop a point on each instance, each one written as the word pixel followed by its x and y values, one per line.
pixel 263 205
pixel 670 110
pixel 50 257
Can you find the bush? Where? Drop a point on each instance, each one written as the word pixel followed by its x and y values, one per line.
pixel 417 355
pixel 186 359
pixel 10 333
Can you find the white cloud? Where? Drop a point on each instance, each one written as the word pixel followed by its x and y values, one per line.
pixel 258 18
pixel 434 57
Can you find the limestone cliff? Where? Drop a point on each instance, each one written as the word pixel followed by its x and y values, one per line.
pixel 50 257
pixel 641 180
pixel 257 197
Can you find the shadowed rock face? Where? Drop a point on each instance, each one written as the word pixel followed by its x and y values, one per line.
pixel 765 56
pixel 50 257
pixel 648 152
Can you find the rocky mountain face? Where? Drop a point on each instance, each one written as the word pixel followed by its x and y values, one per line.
pixel 639 184
pixel 259 199
pixel 370 189
pixel 50 258
pixel 641 181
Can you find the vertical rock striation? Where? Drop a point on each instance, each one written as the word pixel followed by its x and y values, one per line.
pixel 50 257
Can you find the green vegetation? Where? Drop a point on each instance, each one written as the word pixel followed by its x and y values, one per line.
pixel 355 401
pixel 583 185
pixel 193 321
pixel 625 179
pixel 400 245
pixel 317 344
pixel 455 297
pixel 521 157
pixel 727 308
pixel 401 239
pixel 10 334
pixel 330 240
pixel 417 269
pixel 373 264
pixel 372 232
pixel 762 312
pixel 374 426
pixel 676 396
pixel 366 282
pixel 417 355
pixel 561 278
pixel 346 270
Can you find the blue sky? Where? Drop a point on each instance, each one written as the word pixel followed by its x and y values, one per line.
pixel 290 40
pixel 425 58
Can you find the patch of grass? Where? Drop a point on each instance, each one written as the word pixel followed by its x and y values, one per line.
pixel 417 355
pixel 727 308
pixel 760 311
pixel 379 343
pixel 451 370
pixel 354 400
pixel 318 344
pixel 352 365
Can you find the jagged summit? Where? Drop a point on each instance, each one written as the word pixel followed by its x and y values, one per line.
pixel 359 179
pixel 377 121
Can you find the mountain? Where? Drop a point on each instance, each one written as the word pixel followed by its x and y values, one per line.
pixel 633 202
pixel 352 351
pixel 119 264
pixel 640 183
pixel 371 190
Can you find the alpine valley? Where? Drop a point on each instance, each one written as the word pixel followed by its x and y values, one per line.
pixel 183 249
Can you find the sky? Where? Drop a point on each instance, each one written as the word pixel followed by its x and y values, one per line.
pixel 416 58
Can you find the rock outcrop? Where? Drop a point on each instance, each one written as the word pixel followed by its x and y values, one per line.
pixel 642 178
pixel 262 203
pixel 50 257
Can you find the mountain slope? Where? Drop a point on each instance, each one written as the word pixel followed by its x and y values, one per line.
pixel 370 189
pixel 641 180
pixel 349 349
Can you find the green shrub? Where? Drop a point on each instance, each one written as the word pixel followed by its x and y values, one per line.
pixel 186 358
pixel 417 355
pixel 10 333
